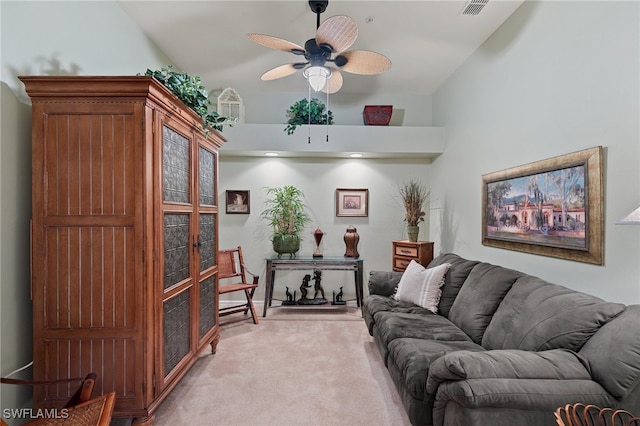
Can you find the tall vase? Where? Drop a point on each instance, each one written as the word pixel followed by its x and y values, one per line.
pixel 412 232
pixel 351 239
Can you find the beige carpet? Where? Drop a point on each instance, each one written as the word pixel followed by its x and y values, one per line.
pixel 296 367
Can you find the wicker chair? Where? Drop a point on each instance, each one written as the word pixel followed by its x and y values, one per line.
pixel 591 415
pixel 80 410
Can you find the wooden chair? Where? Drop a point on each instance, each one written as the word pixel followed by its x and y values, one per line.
pixel 591 415
pixel 81 409
pixel 232 276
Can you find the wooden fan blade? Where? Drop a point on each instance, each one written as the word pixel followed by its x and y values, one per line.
pixel 339 32
pixel 279 72
pixel 365 62
pixel 275 43
pixel 334 83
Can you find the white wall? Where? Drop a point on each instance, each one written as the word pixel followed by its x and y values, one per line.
pixel 557 77
pixel 318 179
pixel 54 38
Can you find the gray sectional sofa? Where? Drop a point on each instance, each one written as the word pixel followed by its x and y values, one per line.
pixel 505 348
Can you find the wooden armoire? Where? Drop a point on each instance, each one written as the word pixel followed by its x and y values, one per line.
pixel 124 238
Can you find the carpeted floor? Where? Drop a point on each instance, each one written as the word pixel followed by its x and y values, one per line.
pixel 317 368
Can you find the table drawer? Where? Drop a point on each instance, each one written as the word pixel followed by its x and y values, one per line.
pixel 401 263
pixel 406 251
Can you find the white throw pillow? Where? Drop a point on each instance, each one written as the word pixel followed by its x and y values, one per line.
pixel 421 286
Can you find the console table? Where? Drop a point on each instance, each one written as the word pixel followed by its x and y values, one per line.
pixel 315 264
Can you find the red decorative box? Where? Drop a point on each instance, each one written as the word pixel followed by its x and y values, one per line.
pixel 377 115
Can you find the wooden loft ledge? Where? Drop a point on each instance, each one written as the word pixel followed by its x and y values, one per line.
pixel 398 142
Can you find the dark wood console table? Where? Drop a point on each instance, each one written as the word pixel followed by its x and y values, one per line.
pixel 313 264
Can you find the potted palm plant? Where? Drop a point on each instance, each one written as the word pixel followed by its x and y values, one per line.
pixel 414 194
pixel 285 212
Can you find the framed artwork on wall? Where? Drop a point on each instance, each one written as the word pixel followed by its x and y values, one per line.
pixel 352 202
pixel 238 202
pixel 552 207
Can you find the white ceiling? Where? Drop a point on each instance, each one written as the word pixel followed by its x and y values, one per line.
pixel 425 40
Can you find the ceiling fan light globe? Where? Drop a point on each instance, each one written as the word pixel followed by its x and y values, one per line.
pixel 317 77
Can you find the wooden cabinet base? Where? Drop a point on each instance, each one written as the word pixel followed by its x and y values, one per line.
pixel 405 251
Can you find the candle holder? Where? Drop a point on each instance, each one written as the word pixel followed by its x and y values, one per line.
pixel 317 236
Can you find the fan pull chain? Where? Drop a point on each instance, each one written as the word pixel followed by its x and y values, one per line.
pixel 327 117
pixel 309 115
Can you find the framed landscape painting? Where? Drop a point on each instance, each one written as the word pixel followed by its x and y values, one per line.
pixel 552 207
pixel 352 202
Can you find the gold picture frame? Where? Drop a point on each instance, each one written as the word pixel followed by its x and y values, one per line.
pixel 553 207
pixel 352 202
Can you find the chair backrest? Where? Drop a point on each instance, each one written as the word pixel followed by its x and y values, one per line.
pixel 231 264
pixel 591 415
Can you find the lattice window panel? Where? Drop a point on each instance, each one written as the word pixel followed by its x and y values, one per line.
pixel 230 104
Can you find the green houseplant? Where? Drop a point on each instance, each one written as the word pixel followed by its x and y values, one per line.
pixel 286 214
pixel 193 94
pixel 305 112
pixel 414 194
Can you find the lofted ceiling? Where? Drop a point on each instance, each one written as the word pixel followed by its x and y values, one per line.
pixel 425 40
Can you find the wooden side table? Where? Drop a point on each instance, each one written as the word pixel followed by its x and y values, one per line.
pixel 405 251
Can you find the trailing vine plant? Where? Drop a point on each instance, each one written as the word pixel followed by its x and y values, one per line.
pixel 305 112
pixel 193 94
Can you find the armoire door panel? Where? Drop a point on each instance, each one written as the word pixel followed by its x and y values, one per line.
pixel 208 305
pixel 207 241
pixel 90 278
pixel 177 248
pixel 113 360
pixel 176 164
pixel 206 177
pixel 177 324
pixel 89 164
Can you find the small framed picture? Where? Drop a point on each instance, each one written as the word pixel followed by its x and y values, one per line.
pixel 352 202
pixel 238 202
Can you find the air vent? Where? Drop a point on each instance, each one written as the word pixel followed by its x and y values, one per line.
pixel 474 7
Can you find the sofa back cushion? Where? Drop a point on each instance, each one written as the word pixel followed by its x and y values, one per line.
pixel 456 276
pixel 479 297
pixel 384 283
pixel 537 315
pixel 613 353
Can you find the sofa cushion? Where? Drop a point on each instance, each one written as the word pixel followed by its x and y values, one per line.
pixel 396 325
pixel 456 276
pixel 412 357
pixel 422 286
pixel 613 353
pixel 480 296
pixel 537 315
pixel 373 304
pixel 383 283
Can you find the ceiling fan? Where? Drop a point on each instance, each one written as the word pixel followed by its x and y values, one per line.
pixel 326 54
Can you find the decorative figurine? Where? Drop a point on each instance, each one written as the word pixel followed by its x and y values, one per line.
pixel 317 235
pixel 351 239
pixel 317 287
pixel 304 286
pixel 317 277
pixel 291 298
pixel 337 298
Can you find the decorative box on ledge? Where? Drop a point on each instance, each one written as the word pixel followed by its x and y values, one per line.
pixel 377 115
